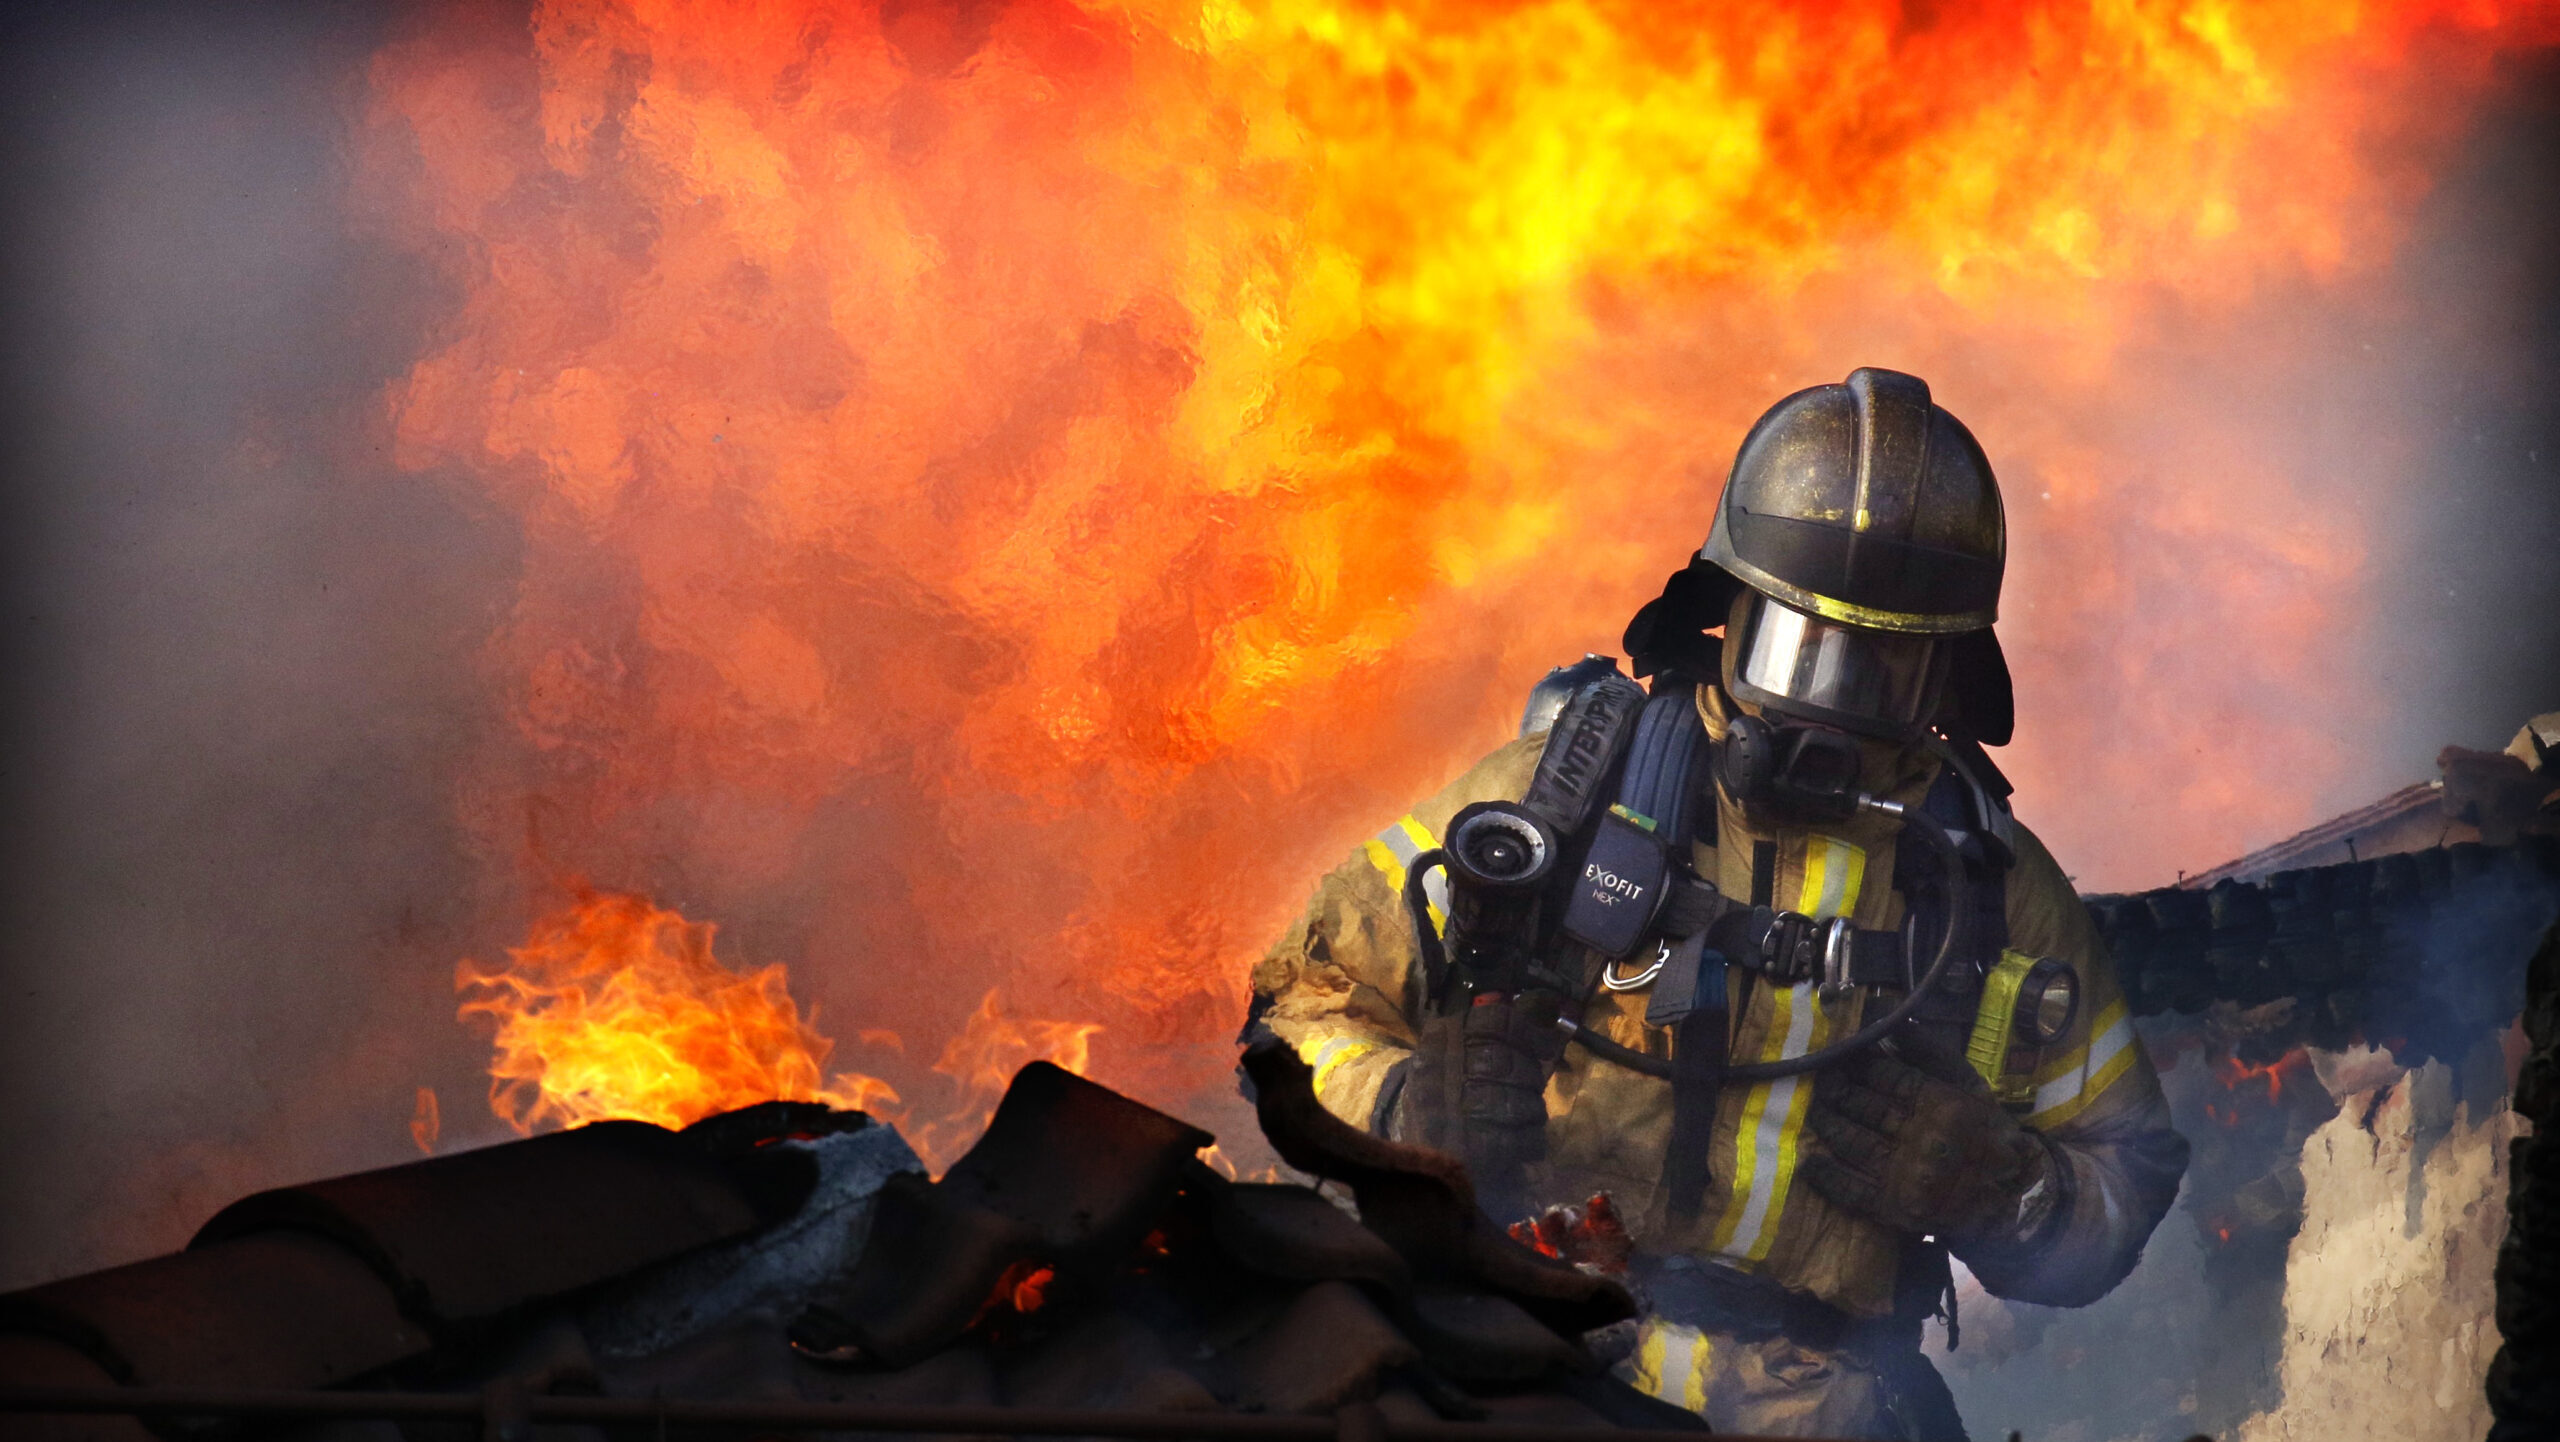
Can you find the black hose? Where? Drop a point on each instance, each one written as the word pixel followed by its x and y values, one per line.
pixel 1959 915
pixel 1426 937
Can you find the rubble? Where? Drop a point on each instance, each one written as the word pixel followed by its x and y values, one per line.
pixel 2524 1378
pixel 2387 1284
pixel 1080 1256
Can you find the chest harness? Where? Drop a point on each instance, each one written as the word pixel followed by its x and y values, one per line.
pixel 1548 897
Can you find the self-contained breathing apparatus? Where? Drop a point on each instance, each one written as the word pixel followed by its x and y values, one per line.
pixel 1549 896
pixel 1501 861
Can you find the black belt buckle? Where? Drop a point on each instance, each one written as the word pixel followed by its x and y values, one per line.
pixel 1791 947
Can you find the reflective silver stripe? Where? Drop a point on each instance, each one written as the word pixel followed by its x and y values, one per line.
pixel 1833 869
pixel 1408 839
pixel 2092 1075
pixel 1671 1364
pixel 1684 1382
pixel 1771 1149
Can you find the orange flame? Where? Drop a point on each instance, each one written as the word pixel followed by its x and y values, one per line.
pixel 1027 1294
pixel 2232 1071
pixel 1021 1290
pixel 616 1008
pixel 427 1122
pixel 1029 483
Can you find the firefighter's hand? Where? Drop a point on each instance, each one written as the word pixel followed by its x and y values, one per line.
pixel 1505 1107
pixel 1927 1156
pixel 1478 1088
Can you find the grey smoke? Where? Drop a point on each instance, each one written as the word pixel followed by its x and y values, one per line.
pixel 243 644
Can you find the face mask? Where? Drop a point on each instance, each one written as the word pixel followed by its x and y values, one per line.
pixel 1802 770
pixel 1880 683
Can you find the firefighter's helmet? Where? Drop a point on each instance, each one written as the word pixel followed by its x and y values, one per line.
pixel 1866 504
pixel 1866 525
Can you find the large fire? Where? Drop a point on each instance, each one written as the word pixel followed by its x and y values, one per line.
pixel 617 1008
pixel 1010 490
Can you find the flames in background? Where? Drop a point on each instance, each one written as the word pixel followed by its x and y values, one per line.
pixel 1008 491
pixel 619 1008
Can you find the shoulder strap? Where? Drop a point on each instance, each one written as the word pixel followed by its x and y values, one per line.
pixel 1985 793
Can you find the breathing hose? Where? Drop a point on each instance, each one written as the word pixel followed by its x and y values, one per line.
pixel 1959 917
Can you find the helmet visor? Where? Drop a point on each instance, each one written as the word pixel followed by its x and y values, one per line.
pixel 1877 681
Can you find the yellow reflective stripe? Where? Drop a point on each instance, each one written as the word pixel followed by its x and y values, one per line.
pixel 1765 1144
pixel 1799 1101
pixel 1755 1102
pixel 1394 849
pixel 1672 1364
pixel 2070 1062
pixel 2066 1089
pixel 1381 857
pixel 1772 1131
pixel 1331 1055
pixel 1778 1131
pixel 1833 872
pixel 1649 1348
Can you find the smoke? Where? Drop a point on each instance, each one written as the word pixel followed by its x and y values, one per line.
pixel 241 644
pixel 2469 633
pixel 305 711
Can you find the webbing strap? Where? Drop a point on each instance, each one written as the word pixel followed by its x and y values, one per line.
pixel 1697 1058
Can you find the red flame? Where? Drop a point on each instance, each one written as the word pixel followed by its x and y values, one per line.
pixel 1020 1291
pixel 2232 1071
pixel 1008 491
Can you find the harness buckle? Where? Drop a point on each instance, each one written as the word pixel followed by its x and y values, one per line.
pixel 1836 938
pixel 1790 948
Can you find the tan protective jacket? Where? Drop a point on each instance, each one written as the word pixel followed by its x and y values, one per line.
pixel 1342 987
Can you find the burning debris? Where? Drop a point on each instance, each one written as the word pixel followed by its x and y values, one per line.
pixel 617 1008
pixel 1079 1255
pixel 2335 1020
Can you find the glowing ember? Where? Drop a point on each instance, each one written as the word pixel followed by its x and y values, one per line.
pixel 1030 1289
pixel 617 1008
pixel 2232 1072
pixel 1038 480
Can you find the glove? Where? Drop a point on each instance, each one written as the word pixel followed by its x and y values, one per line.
pixel 1926 1156
pixel 1494 1117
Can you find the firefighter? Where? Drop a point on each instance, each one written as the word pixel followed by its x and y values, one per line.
pixel 1800 1127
